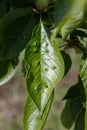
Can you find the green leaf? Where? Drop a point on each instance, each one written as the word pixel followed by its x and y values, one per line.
pixel 83 42
pixel 12 16
pixel 83 72
pixel 81 30
pixel 82 90
pixel 66 116
pixel 74 18
pixel 76 91
pixel 44 66
pixel 81 35
pixel 73 92
pixel 76 107
pixel 67 61
pixel 3 7
pixel 19 3
pixel 7 70
pixel 33 119
pixel 15 32
pixel 61 9
pixel 80 123
pixel 83 76
pixel 71 111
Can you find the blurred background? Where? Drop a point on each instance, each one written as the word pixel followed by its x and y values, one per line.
pixel 13 96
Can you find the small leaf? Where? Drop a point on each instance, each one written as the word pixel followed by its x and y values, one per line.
pixel 73 92
pixel 82 90
pixel 13 15
pixel 66 116
pixel 76 107
pixel 83 76
pixel 81 30
pixel 80 122
pixel 44 66
pixel 67 61
pixel 71 111
pixel 83 73
pixel 7 70
pixel 61 9
pixel 33 119
pixel 76 17
pixel 15 32
pixel 73 19
pixel 83 42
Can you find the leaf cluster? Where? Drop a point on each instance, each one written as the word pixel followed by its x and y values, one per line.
pixel 45 29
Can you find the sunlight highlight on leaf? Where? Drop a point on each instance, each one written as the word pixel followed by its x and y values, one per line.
pixel 44 66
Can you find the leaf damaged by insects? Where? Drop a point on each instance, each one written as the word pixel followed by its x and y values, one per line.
pixel 47 66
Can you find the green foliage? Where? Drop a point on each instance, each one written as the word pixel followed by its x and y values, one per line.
pixel 67 113
pixel 44 66
pixel 33 118
pixel 3 8
pixel 7 70
pixel 73 92
pixel 68 60
pixel 80 120
pixel 45 29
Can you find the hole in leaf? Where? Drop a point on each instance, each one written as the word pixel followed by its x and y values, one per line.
pixel 46 86
pixel 46 44
pixel 46 69
pixel 47 51
pixel 54 67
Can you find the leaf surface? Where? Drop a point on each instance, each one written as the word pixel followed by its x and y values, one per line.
pixel 44 66
pixel 15 32
pixel 67 61
pixel 73 19
pixel 76 17
pixel 80 125
pixel 7 70
pixel 83 76
pixel 72 93
pixel 71 111
pixel 18 3
pixel 61 9
pixel 3 8
pixel 33 119
pixel 67 122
